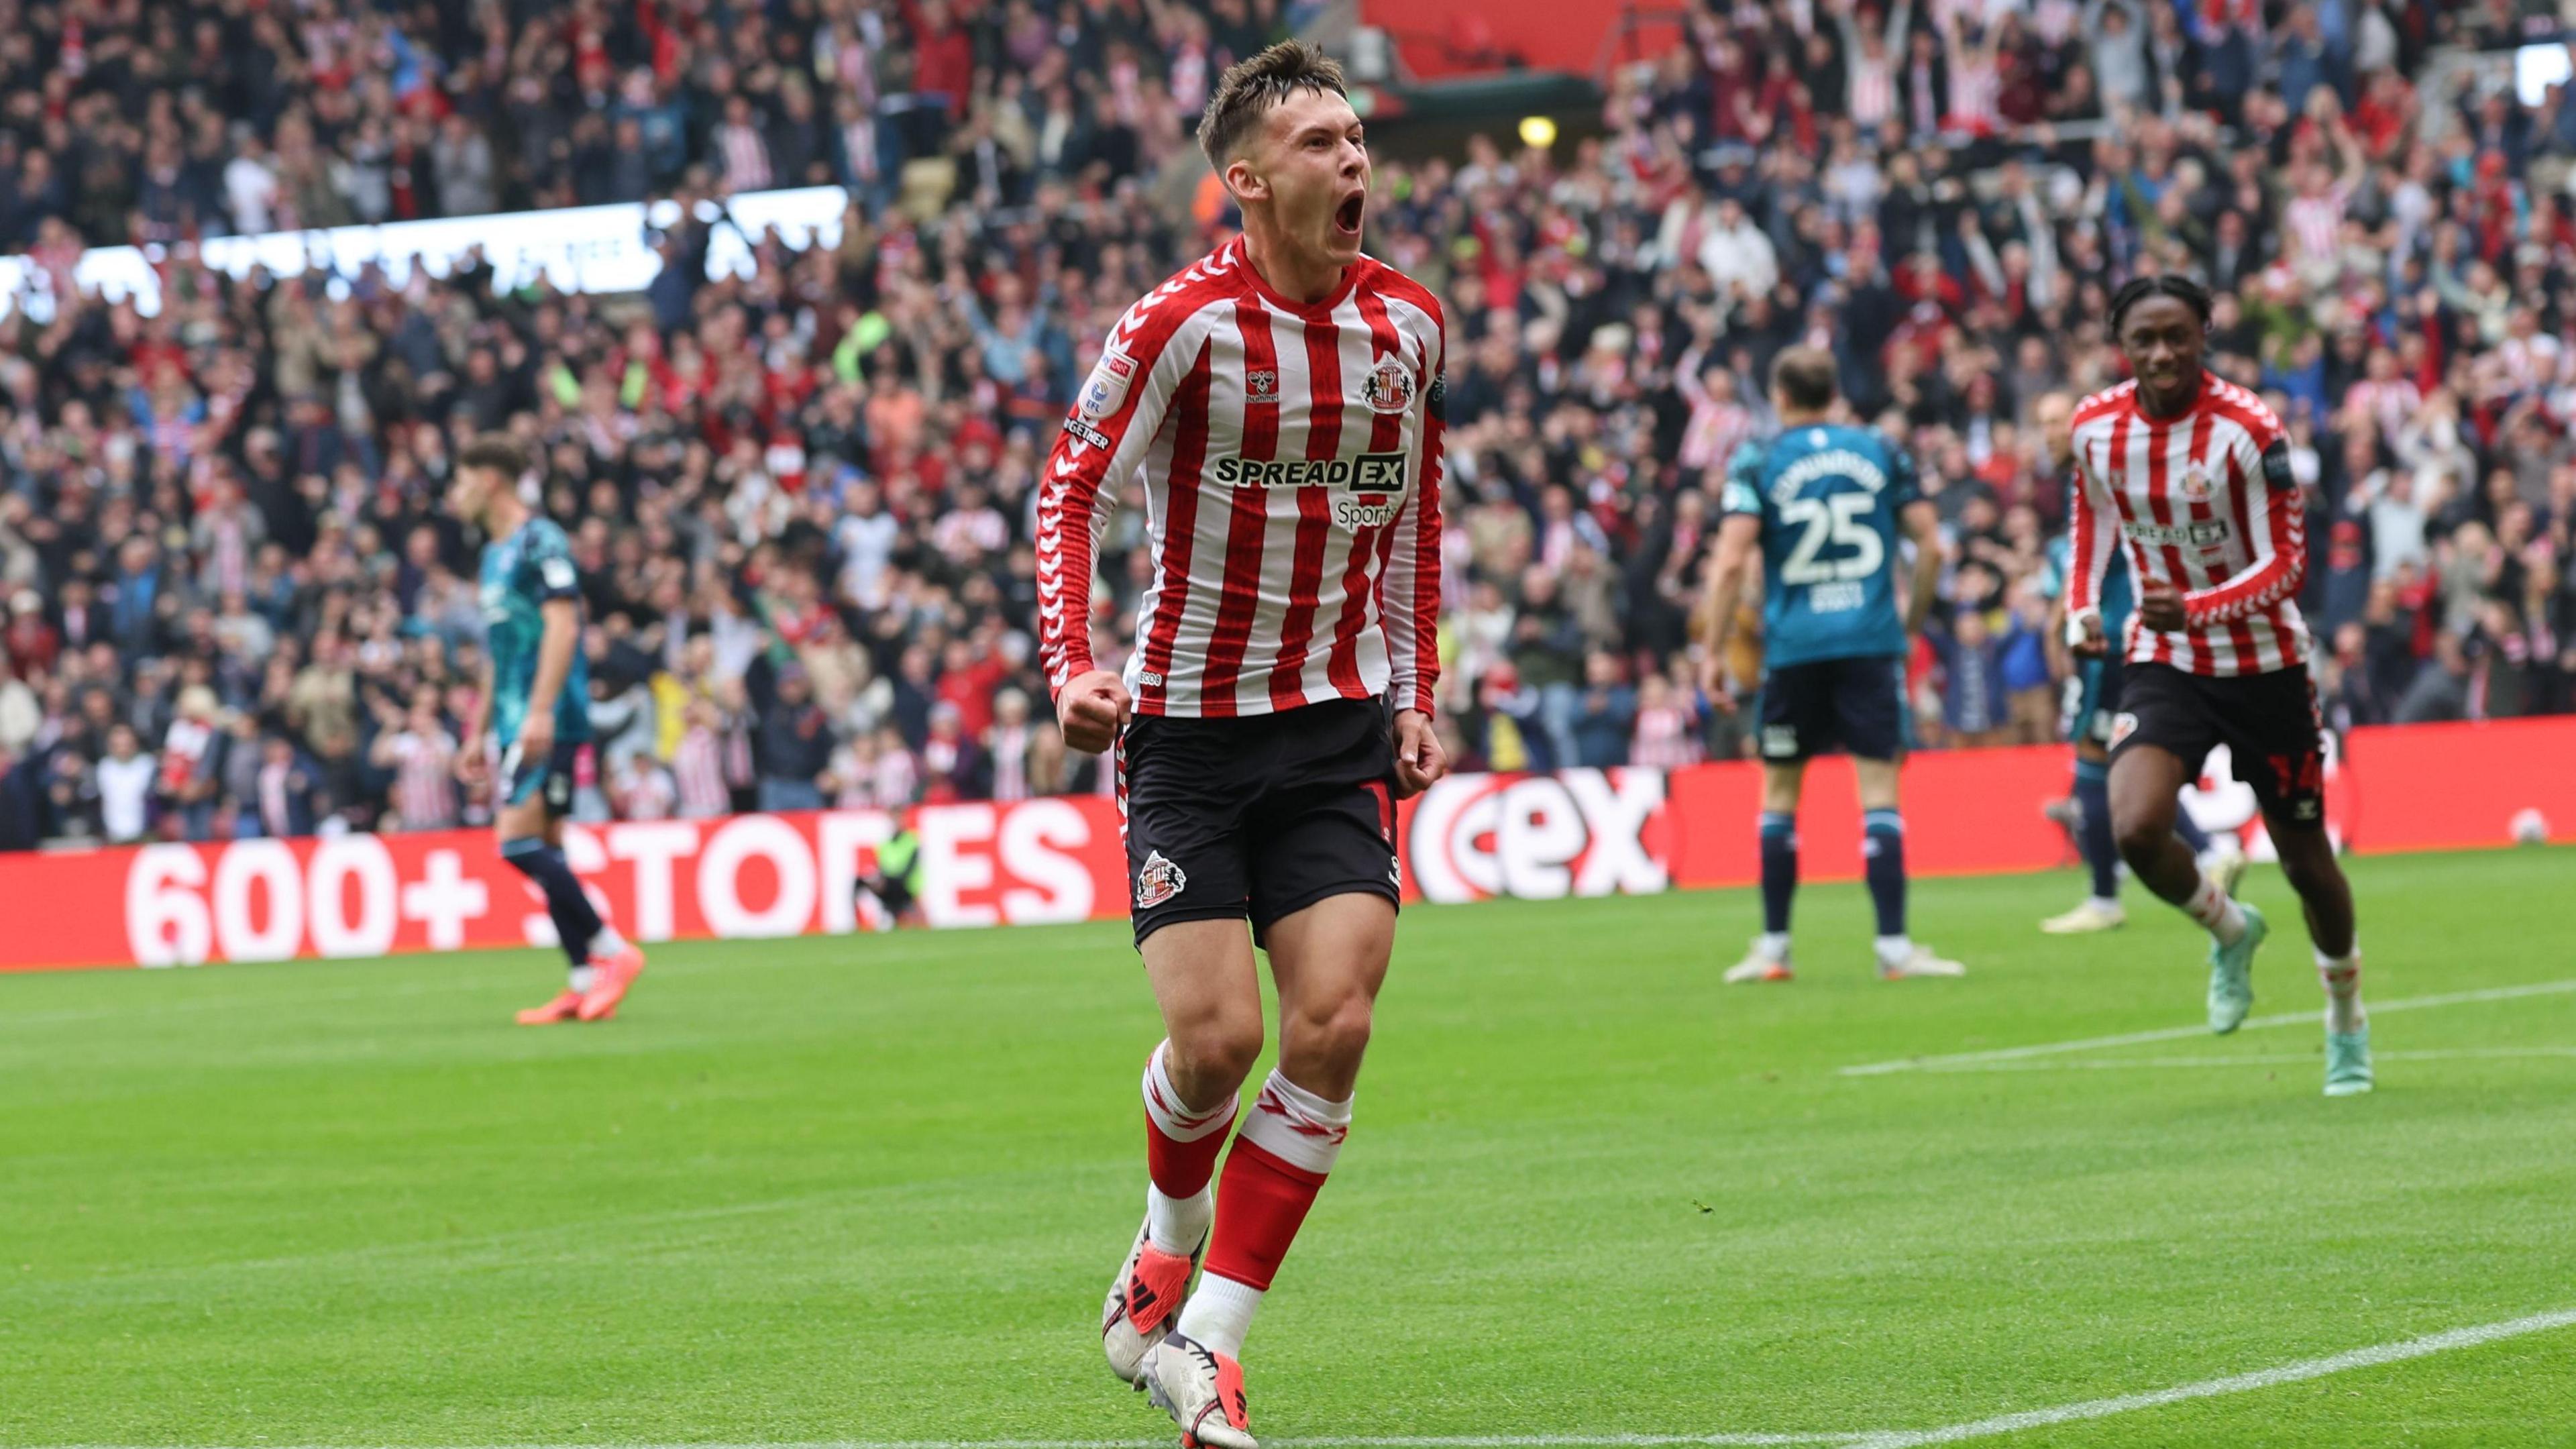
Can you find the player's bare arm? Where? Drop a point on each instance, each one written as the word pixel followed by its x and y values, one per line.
pixel 1737 535
pixel 554 662
pixel 1923 524
pixel 471 758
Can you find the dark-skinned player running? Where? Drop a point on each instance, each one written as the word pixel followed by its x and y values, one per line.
pixel 2191 475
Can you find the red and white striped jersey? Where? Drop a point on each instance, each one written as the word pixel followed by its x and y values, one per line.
pixel 1290 457
pixel 424 793
pixel 2204 502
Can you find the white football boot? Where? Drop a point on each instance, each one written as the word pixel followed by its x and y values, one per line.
pixel 1203 1392
pixel 1144 1301
pixel 2092 915
pixel 1919 962
pixel 1759 964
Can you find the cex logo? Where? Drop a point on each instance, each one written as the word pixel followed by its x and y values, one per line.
pixel 1538 837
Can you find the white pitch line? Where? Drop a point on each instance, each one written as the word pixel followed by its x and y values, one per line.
pixel 2269 1059
pixel 2185 1033
pixel 2288 1373
pixel 1337 1441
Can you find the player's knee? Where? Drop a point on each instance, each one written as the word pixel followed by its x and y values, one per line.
pixel 2140 837
pixel 1337 1032
pixel 1217 1050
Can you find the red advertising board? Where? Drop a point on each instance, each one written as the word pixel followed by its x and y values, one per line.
pixel 1579 833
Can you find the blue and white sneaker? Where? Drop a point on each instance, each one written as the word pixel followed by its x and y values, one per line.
pixel 2348 1062
pixel 2231 974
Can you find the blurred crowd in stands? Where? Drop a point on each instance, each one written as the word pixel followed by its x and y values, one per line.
pixel 229 603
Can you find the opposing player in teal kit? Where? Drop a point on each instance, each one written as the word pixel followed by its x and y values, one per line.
pixel 535 707
pixel 1825 504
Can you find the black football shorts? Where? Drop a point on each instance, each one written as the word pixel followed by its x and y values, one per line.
pixel 1257 817
pixel 1812 708
pixel 2269 722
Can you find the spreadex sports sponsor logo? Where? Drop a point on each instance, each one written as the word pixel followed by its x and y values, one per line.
pixel 1538 837
pixel 2207 533
pixel 1367 473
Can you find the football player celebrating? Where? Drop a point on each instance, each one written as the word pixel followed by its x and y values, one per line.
pixel 2190 475
pixel 2092 702
pixel 1280 404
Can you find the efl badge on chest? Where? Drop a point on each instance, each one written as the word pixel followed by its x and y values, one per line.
pixel 1388 388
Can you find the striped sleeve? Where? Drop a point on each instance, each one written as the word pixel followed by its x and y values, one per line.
pixel 2276 525
pixel 1410 587
pixel 1115 415
pixel 2094 531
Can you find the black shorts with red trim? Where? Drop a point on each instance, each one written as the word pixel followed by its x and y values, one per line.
pixel 2269 722
pixel 1258 817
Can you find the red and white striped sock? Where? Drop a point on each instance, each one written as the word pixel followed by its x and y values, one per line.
pixel 1279 1162
pixel 2341 976
pixel 2216 910
pixel 1180 1154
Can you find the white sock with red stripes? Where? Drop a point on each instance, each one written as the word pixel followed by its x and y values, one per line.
pixel 2341 976
pixel 2214 908
pixel 1287 1147
pixel 1181 1148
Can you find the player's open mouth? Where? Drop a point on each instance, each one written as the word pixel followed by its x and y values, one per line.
pixel 1348 215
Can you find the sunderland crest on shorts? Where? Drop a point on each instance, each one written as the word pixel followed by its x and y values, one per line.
pixel 1388 388
pixel 1157 881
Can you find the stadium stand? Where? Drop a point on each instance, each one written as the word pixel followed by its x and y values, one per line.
pixel 800 491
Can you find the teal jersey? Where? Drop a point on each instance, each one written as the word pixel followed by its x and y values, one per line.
pixel 2116 596
pixel 1827 499
pixel 521 574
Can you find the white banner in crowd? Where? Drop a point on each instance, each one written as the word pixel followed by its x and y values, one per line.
pixel 578 249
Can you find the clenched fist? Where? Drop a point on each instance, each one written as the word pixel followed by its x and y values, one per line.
pixel 1091 709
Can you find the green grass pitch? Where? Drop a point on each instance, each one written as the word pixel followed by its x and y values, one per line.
pixel 871 1189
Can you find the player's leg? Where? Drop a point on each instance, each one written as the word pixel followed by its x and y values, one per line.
pixel 1328 960
pixel 1870 721
pixel 531 840
pixel 1789 730
pixel 1323 904
pixel 614 962
pixel 2161 737
pixel 2142 786
pixel 2308 861
pixel 2088 726
pixel 1883 867
pixel 1208 991
pixel 1777 830
pixel 1181 782
pixel 2274 730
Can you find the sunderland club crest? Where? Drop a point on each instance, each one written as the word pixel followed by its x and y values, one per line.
pixel 1158 880
pixel 1388 387
pixel 2195 483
